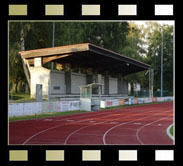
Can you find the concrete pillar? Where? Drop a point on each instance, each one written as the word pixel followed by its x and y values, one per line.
pixel 106 83
pixel 68 78
pixel 38 62
pixel 120 84
pixel 89 79
pixel 89 76
pixel 99 78
pixel 124 87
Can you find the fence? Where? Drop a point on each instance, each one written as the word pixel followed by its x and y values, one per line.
pixel 20 109
pixel 32 108
pixel 132 100
pixel 145 93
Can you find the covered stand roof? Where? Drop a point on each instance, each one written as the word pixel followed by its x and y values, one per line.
pixel 87 55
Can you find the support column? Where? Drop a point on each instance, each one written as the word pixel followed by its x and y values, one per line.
pixel 124 87
pixel 106 83
pixel 89 76
pixel 89 79
pixel 99 78
pixel 120 84
pixel 38 62
pixel 68 78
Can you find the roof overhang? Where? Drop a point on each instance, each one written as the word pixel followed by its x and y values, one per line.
pixel 87 55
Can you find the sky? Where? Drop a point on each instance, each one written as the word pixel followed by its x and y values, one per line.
pixel 160 22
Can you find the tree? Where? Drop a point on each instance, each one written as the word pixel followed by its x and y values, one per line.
pixel 154 40
pixel 135 49
pixel 16 73
pixel 117 36
pixel 35 35
pixel 104 34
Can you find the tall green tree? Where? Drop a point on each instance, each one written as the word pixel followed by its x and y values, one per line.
pixel 16 73
pixel 154 41
pixel 117 36
pixel 35 35
pixel 104 34
pixel 135 49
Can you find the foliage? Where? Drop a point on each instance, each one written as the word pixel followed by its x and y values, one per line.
pixel 108 35
pixel 16 73
pixel 135 49
pixel 138 42
pixel 154 40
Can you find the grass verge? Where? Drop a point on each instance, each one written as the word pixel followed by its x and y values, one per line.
pixel 29 117
pixel 171 131
pixel 20 97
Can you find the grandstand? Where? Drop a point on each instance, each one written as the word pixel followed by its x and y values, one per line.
pixel 78 65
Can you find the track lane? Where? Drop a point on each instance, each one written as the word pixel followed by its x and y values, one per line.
pixel 71 129
pixel 103 127
pixel 83 121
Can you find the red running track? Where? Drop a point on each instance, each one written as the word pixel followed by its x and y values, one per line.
pixel 123 126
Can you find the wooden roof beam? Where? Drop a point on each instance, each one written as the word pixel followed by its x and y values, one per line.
pixel 49 59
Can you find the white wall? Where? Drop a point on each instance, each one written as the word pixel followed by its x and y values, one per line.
pixel 58 80
pixel 39 75
pixel 32 108
pixel 113 85
pixel 77 80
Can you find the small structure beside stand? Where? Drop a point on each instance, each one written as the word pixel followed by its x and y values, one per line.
pixel 90 96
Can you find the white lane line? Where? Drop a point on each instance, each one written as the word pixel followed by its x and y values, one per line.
pixel 148 124
pixel 70 116
pixel 38 133
pixel 105 134
pixel 75 131
pixel 45 130
pixel 48 119
pixel 69 120
pixel 80 133
pixel 137 123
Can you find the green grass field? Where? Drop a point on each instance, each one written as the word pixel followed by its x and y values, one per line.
pixel 20 97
